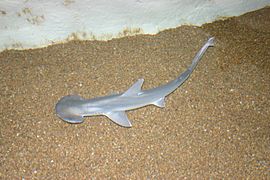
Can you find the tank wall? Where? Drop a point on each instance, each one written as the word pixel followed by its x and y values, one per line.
pixel 38 23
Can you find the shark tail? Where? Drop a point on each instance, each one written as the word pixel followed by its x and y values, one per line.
pixel 199 55
pixel 184 76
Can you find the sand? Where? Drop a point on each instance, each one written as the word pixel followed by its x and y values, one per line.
pixel 216 125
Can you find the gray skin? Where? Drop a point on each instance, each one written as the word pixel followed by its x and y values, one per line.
pixel 74 108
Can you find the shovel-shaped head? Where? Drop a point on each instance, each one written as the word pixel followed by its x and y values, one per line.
pixel 68 109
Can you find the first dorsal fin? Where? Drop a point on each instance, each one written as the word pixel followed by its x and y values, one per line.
pixel 135 88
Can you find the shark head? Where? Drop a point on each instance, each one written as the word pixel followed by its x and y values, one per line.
pixel 68 109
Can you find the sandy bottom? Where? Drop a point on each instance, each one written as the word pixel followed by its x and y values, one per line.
pixel 216 125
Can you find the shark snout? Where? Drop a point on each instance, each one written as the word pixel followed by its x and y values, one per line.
pixel 68 109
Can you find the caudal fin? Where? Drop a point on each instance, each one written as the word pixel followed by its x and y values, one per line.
pixel 199 55
pixel 183 77
pixel 211 41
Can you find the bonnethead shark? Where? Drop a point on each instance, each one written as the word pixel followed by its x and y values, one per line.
pixel 74 108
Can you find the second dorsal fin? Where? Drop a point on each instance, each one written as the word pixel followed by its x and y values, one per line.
pixel 134 89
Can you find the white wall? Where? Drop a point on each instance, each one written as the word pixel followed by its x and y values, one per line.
pixel 37 23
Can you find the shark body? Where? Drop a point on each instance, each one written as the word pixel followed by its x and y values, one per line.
pixel 74 108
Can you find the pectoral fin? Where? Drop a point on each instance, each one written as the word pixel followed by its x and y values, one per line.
pixel 120 118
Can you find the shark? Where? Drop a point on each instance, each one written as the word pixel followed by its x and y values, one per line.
pixel 73 108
